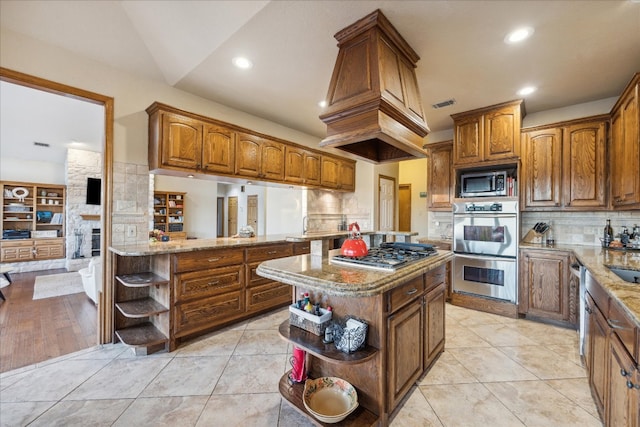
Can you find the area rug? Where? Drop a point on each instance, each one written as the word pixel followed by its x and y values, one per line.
pixel 55 285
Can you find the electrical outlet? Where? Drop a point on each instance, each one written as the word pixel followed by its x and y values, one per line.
pixel 131 231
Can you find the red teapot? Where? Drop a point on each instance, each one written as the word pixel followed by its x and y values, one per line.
pixel 354 246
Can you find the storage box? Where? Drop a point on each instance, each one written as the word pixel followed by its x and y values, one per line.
pixel 309 322
pixel 39 234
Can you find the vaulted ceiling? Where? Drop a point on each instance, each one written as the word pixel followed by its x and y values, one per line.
pixel 580 51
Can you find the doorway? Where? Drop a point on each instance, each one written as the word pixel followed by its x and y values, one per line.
pixel 252 212
pixel 404 208
pixel 386 203
pixel 220 217
pixel 233 216
pixel 104 318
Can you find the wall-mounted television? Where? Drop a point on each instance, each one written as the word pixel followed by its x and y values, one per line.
pixel 94 191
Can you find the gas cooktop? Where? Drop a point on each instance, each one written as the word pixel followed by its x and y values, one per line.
pixel 388 256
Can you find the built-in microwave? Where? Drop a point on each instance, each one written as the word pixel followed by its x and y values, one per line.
pixel 480 184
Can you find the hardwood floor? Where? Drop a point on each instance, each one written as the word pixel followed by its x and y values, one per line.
pixel 34 331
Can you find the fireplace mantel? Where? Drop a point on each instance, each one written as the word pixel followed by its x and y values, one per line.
pixel 90 217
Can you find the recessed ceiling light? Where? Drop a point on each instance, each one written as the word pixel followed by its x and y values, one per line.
pixel 322 104
pixel 518 35
pixel 527 90
pixel 242 62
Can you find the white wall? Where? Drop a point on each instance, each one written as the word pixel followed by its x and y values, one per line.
pixel 414 172
pixel 31 171
pixel 200 203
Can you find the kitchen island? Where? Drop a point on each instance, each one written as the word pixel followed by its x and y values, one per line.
pixel 404 311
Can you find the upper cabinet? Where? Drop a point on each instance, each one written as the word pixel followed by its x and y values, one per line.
pixel 338 173
pixel 183 143
pixel 488 134
pixel 302 166
pixel 625 148
pixel 258 157
pixel 440 176
pixel 564 166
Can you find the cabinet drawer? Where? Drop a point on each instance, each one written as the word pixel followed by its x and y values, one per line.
pixel 622 326
pixel 263 253
pixel 252 277
pixel 202 260
pixel 405 293
pixel 436 276
pixel 205 283
pixel 270 295
pixel 202 314
pixel 301 248
pixel 599 295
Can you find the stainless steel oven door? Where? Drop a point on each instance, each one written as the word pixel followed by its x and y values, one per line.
pixel 493 277
pixel 486 234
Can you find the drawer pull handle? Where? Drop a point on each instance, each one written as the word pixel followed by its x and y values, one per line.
pixel 614 324
pixel 412 291
pixel 272 252
pixel 588 310
pixel 213 282
pixel 624 372
pixel 214 259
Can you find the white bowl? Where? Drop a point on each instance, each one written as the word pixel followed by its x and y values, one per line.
pixel 329 399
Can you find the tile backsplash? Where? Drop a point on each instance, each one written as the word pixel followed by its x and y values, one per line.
pixel 579 228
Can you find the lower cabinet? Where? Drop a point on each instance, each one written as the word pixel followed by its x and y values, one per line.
pixel 547 289
pixel 614 374
pixel 405 350
pixel 32 249
pixel 415 330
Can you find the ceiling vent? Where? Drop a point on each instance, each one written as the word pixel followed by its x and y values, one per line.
pixel 443 104
pixel 374 109
pixel 41 144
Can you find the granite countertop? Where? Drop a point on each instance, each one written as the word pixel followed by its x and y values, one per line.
pixel 596 260
pixel 317 273
pixel 177 246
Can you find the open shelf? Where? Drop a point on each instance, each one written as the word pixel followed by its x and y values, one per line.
pixel 314 345
pixel 140 280
pixel 139 308
pixel 143 335
pixel 292 393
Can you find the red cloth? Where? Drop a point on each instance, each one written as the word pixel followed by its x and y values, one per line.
pixel 298 373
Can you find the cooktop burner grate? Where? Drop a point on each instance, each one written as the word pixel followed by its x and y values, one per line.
pixel 388 256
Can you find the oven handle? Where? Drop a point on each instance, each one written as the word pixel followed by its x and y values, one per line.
pixel 485 257
pixel 483 214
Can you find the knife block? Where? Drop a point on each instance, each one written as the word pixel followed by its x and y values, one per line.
pixel 533 236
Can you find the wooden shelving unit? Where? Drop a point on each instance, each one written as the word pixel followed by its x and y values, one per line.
pixel 314 345
pixel 33 221
pixel 142 301
pixel 168 213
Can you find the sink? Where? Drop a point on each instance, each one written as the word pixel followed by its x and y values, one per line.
pixel 631 276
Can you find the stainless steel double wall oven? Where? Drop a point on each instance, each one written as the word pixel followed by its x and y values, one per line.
pixel 485 243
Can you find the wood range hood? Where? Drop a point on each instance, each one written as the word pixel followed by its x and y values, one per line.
pixel 373 104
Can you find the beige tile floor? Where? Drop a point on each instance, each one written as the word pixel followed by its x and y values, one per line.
pixel 495 371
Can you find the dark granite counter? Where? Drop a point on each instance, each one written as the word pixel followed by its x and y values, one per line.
pixel 317 273
pixel 596 260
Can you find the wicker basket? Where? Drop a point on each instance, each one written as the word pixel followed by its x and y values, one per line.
pixel 309 322
pixel 349 338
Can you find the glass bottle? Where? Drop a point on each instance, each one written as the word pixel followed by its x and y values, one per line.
pixel 608 234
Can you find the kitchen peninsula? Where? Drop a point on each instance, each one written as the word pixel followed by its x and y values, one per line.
pixel 166 291
pixel 404 311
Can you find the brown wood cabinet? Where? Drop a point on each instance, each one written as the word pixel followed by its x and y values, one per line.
pixel 564 166
pixel 260 158
pixel 625 148
pixel 441 185
pixel 169 213
pixel 183 143
pixel 302 166
pixel 547 288
pixel 416 330
pixel 39 216
pixel 488 134
pixel 338 173
pixel 611 357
